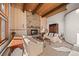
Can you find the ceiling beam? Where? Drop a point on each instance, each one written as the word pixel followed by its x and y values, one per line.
pixel 38 6
pixel 24 7
pixel 54 9
pixel 63 8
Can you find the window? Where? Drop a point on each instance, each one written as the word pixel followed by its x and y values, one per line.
pixel 3 28
pixel 3 21
pixel 2 7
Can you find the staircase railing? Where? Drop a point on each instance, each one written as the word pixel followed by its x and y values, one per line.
pixel 3 41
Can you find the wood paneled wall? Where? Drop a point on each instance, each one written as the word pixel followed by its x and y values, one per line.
pixel 7 14
pixel 0 24
pixel 0 28
pixel 18 24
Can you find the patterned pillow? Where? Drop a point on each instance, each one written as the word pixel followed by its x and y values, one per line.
pixel 56 35
pixel 52 34
pixel 49 34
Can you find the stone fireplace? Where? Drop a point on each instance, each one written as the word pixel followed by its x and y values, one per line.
pixel 33 24
pixel 34 32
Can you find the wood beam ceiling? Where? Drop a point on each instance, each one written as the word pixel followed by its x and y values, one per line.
pixel 38 7
pixel 23 7
pixel 60 6
pixel 63 8
pixel 30 6
pixel 46 7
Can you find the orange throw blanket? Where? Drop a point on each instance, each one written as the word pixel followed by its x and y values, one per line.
pixel 17 42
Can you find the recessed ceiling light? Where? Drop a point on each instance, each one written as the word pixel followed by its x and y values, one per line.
pixel 30 10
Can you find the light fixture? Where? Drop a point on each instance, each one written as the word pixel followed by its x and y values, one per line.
pixel 30 10
pixel 77 11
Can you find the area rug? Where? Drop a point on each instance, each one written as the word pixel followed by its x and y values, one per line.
pixel 62 49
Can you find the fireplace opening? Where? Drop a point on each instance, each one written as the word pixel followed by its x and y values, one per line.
pixel 34 32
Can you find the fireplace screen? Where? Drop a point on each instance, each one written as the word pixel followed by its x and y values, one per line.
pixel 34 32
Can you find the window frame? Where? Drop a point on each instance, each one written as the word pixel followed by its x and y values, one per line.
pixel 4 15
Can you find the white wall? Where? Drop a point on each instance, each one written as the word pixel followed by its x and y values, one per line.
pixel 71 23
pixel 72 27
pixel 69 26
pixel 58 18
pixel 71 6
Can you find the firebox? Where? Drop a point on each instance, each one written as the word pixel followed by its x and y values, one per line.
pixel 34 32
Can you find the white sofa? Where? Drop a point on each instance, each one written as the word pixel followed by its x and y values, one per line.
pixel 33 47
pixel 15 53
pixel 53 37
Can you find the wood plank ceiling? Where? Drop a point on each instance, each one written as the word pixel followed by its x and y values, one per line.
pixel 45 9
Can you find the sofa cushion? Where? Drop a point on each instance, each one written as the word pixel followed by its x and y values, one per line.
pixel 51 34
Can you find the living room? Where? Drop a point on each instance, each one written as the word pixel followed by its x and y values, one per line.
pixel 43 29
